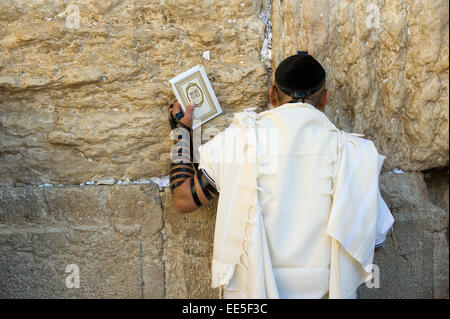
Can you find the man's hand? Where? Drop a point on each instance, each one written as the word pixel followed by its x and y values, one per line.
pixel 184 118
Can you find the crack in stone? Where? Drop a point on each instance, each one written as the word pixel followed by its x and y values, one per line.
pixel 266 49
pixel 161 181
pixel 163 252
pixel 141 262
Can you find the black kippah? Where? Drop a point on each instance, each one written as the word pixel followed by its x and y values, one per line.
pixel 300 75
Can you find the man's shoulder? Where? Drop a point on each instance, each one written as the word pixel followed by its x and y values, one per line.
pixel 358 140
pixel 241 121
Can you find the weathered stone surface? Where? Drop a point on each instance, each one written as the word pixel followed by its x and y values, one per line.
pixel 188 250
pixel 388 81
pixel 438 190
pixel 414 261
pixel 101 91
pixel 438 187
pixel 113 234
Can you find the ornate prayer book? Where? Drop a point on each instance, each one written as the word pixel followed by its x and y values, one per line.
pixel 193 85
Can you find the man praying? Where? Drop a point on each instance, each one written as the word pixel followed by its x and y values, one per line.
pixel 299 211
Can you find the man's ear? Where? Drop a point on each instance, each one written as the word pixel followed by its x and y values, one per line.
pixel 324 99
pixel 273 96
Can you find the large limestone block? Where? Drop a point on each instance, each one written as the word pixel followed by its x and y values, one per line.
pixel 438 187
pixel 387 64
pixel 112 233
pixel 188 250
pixel 90 102
pixel 438 191
pixel 414 261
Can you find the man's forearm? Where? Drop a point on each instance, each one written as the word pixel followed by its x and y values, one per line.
pixel 190 187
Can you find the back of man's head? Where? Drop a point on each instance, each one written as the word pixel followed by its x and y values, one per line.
pixel 301 77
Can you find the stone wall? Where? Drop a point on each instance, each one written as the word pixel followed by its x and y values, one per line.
pixel 414 261
pixel 126 240
pixel 112 233
pixel 89 102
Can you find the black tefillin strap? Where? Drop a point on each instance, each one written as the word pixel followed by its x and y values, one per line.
pixel 183 168
pixel 175 123
pixel 179 174
pixel 208 189
pixel 194 194
pixel 297 95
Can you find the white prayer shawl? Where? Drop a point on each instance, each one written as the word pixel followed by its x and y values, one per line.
pixel 238 210
pixel 358 215
pixel 240 238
